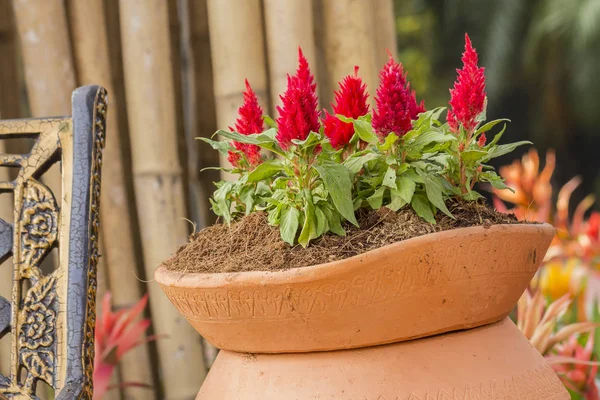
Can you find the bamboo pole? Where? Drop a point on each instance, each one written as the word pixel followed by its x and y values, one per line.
pixel 288 25
pixel 199 118
pixel 47 61
pixel 158 181
pixel 199 108
pixel 91 54
pixel 238 52
pixel 349 40
pixel 385 30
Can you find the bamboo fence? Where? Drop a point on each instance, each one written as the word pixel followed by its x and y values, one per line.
pixel 174 70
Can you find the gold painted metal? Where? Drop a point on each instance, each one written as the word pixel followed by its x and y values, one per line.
pixel 41 321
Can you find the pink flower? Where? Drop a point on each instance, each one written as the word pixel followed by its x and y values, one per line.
pixel 396 104
pixel 249 121
pixel 116 334
pixel 298 115
pixel 350 101
pixel 578 375
pixel 467 98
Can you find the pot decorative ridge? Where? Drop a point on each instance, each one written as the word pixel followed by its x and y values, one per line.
pixel 435 283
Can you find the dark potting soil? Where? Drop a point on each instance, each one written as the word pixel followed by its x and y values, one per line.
pixel 251 244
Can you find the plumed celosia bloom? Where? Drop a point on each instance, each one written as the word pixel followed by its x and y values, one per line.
pixel 298 115
pixel 249 121
pixel 396 103
pixel 467 98
pixel 350 101
pixel 482 140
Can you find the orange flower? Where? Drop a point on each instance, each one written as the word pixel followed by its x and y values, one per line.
pixel 531 189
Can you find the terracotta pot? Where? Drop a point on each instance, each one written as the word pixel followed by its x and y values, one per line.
pixel 420 287
pixel 492 362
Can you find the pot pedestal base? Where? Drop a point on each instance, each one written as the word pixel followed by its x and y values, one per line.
pixel 493 362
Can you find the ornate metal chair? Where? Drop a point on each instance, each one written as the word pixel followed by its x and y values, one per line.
pixel 51 316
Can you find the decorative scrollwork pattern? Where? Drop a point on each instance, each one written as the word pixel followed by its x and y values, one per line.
pixel 37 330
pixel 39 227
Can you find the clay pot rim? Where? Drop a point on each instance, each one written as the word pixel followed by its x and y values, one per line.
pixel 306 274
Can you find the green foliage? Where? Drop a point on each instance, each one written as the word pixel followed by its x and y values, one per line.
pixel 311 189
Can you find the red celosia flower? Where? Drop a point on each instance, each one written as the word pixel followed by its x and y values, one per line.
pixel 467 98
pixel 482 140
pixel 250 121
pixel 298 115
pixel 396 104
pixel 350 101
pixel 234 157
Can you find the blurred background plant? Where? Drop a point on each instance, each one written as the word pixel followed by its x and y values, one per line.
pixel 117 333
pixel 559 311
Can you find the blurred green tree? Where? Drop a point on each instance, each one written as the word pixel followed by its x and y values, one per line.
pixel 542 60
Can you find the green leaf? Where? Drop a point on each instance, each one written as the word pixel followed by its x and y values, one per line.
pixel 265 170
pixel 309 227
pixel 490 125
pixel 311 140
pixel 496 181
pixel 238 137
pixel 430 137
pixel 389 141
pixel 482 115
pixel 221 198
pixel 403 167
pixel 266 140
pixel 397 200
pixel 222 146
pixel 355 164
pixel 496 137
pixel 389 179
pixel 366 118
pixel 343 118
pixel 338 184
pixel 365 131
pixel 247 197
pixel 406 188
pixel 422 207
pixel 434 190
pixel 503 149
pixel 262 189
pixel 322 225
pixel 333 221
pixel 376 199
pixel 269 121
pixel 274 214
pixel 288 227
pixel 473 155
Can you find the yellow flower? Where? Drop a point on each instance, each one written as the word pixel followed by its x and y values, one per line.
pixel 558 278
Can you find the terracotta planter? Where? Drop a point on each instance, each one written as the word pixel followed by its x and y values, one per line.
pixel 428 285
